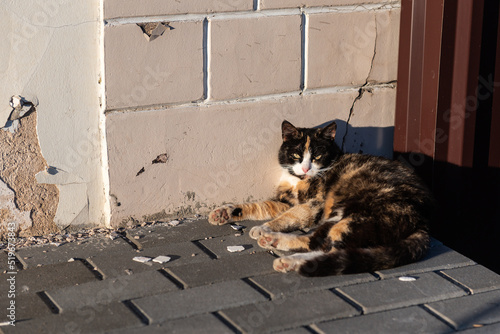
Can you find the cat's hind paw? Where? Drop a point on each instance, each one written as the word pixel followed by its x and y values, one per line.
pixel 222 215
pixel 257 231
pixel 269 240
pixel 287 263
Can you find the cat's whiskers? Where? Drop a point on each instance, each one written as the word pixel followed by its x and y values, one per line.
pixel 325 169
pixel 322 171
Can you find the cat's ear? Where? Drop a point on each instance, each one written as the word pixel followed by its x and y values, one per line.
pixel 329 131
pixel 288 131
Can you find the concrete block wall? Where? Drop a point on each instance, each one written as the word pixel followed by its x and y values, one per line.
pixel 193 117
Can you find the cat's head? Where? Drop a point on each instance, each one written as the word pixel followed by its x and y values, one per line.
pixel 305 152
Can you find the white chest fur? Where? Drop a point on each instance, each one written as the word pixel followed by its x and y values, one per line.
pixel 286 177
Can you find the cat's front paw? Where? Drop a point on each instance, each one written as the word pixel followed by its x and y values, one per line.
pixel 257 231
pixel 221 215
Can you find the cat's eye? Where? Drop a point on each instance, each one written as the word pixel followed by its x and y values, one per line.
pixel 317 157
pixel 296 156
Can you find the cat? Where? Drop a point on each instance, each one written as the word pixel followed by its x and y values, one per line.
pixel 370 213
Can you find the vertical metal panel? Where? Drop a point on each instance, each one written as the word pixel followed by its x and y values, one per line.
pixel 494 152
pixel 416 71
pixel 458 96
pixel 400 126
pixel 418 76
pixel 430 76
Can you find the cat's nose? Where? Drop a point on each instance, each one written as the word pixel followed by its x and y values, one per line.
pixel 305 169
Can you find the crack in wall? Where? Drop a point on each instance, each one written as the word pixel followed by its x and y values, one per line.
pixel 361 89
pixel 374 52
pixel 72 25
pixel 351 110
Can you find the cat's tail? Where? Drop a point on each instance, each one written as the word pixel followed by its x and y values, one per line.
pixel 359 260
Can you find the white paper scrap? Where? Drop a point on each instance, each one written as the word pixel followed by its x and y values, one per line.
pixel 114 235
pixel 162 259
pixel 407 278
pixel 236 227
pixel 142 259
pixel 233 249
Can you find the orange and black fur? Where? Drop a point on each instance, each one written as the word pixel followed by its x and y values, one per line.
pixel 370 213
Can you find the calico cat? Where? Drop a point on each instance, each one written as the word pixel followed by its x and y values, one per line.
pixel 370 213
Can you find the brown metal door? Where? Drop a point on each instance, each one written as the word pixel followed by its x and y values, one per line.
pixel 447 122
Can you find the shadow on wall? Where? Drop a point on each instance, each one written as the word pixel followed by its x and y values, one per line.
pixel 364 139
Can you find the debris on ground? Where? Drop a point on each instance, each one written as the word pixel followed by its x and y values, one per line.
pixel 57 244
pixel 407 278
pixel 142 259
pixel 114 235
pixel 237 227
pixel 174 223
pixel 233 249
pixel 59 239
pixel 162 259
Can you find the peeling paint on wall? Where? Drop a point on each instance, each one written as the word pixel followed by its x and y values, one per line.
pixel 20 160
pixel 160 159
pixel 153 30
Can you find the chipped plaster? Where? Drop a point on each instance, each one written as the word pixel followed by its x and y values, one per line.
pixel 51 54
pixel 21 160
pixel 10 214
